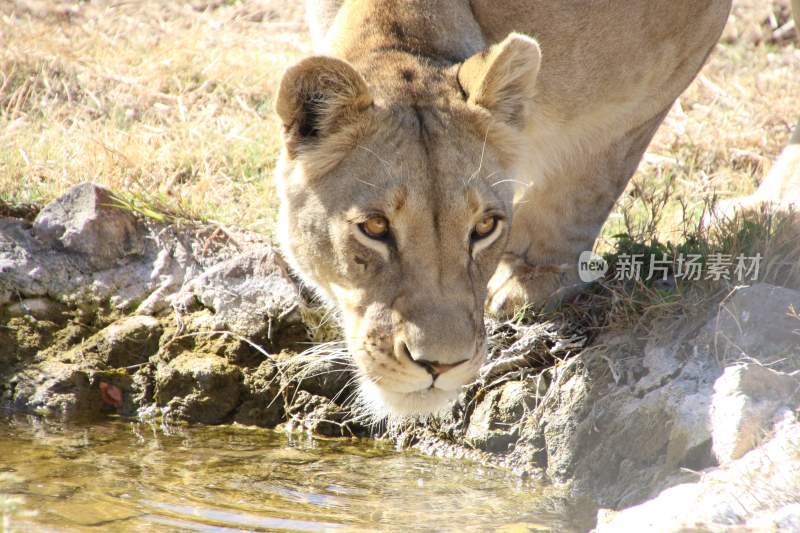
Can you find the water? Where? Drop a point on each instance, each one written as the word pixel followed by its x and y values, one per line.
pixel 122 476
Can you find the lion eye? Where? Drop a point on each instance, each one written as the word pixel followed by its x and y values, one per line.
pixel 484 228
pixel 376 227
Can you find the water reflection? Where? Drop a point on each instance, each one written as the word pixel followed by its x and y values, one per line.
pixel 134 476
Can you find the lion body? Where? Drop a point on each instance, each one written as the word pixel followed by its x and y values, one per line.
pixel 435 112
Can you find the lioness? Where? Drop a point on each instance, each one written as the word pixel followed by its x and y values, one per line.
pixel 444 155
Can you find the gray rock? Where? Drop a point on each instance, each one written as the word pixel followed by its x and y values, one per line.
pixel 84 251
pixel 31 269
pixel 87 220
pixel 746 397
pixel 250 294
pixel 494 424
pixel 198 387
pixel 661 362
pixel 759 488
pixel 755 322
pixel 623 444
pixel 39 308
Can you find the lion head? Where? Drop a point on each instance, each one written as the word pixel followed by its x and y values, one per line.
pixel 396 204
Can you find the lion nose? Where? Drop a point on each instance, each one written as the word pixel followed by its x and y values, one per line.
pixel 434 368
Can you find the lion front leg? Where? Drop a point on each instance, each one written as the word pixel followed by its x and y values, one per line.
pixel 559 217
pixel 519 282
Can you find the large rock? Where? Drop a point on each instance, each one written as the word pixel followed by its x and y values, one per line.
pixel 85 260
pixel 56 388
pixel 746 397
pixel 31 269
pixel 622 424
pixel 619 444
pixel 88 220
pixel 84 251
pixel 68 380
pixel 758 489
pixel 757 322
pixel 252 295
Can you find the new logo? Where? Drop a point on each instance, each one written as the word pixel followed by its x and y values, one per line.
pixel 591 266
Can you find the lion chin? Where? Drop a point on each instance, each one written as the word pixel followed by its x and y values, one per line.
pixel 393 406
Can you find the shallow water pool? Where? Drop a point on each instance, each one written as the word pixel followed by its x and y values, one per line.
pixel 120 475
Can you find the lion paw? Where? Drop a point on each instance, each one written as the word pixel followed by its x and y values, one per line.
pixel 517 284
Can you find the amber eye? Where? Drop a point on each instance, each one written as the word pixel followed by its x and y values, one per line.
pixel 484 228
pixel 376 227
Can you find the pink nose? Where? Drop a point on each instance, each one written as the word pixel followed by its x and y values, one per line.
pixel 435 368
pixel 441 369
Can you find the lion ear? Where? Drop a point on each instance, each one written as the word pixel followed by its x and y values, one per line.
pixel 502 78
pixel 318 96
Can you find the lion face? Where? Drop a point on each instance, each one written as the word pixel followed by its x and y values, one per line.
pixel 396 205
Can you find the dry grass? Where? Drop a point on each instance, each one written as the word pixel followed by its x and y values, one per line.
pixel 170 103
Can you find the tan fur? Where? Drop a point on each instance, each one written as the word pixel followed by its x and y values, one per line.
pixel 437 113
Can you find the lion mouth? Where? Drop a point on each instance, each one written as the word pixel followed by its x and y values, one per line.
pixel 385 404
pixel 400 389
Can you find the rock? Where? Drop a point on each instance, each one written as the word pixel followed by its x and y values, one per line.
pixel 39 308
pixel 124 344
pixel 786 518
pixel 252 295
pixel 619 444
pixel 323 417
pixel 661 363
pixel 757 488
pixel 262 403
pixel 330 378
pixel 746 397
pixel 755 322
pixel 198 387
pixel 20 339
pixel 31 269
pixel 494 424
pixel 68 381
pixel 56 388
pixel 88 221
pixel 130 341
